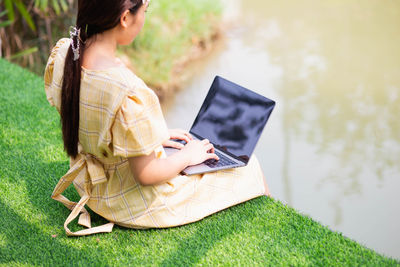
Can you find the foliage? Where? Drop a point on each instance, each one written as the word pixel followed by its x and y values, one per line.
pixel 58 6
pixel 30 29
pixel 9 5
pixel 4 23
pixel 171 30
pixel 259 232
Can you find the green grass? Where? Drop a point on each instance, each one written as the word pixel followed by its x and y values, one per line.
pixel 259 232
pixel 171 29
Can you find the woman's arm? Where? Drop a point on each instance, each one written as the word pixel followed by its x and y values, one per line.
pixel 150 170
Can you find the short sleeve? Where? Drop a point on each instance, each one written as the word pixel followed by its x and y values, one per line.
pixel 139 127
pixel 54 70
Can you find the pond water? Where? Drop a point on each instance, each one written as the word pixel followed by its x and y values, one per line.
pixel 331 148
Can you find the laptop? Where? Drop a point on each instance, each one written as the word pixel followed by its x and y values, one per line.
pixel 232 118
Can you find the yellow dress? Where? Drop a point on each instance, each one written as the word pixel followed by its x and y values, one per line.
pixel 120 117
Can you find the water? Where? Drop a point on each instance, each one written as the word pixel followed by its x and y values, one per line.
pixel 331 148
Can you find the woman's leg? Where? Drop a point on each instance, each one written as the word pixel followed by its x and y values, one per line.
pixel 267 193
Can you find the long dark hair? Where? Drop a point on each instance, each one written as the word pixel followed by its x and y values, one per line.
pixel 94 16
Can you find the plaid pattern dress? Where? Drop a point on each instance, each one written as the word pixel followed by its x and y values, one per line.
pixel 120 117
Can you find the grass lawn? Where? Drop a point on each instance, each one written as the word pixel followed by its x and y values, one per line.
pixel 259 232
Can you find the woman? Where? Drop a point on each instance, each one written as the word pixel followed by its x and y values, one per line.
pixel 114 132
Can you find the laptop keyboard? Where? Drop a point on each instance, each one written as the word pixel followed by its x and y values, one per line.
pixel 223 161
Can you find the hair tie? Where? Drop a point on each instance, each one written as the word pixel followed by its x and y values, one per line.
pixel 75 32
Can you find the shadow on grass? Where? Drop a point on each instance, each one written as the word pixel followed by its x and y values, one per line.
pixel 209 232
pixel 24 243
pixel 40 179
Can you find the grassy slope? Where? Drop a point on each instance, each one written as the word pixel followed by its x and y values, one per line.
pixel 259 232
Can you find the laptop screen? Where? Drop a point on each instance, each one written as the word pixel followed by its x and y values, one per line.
pixel 232 118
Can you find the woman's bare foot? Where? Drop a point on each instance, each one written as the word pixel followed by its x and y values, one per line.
pixel 267 193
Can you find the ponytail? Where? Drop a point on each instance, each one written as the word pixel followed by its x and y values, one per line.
pixel 70 94
pixel 95 16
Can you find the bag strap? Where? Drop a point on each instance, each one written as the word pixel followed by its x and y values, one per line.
pixel 96 175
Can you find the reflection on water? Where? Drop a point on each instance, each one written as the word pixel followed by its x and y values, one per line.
pixel 332 146
pixel 341 89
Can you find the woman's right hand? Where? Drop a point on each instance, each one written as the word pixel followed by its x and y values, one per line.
pixel 151 170
pixel 199 151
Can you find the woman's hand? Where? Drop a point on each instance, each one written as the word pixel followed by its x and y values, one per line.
pixel 177 134
pixel 198 151
pixel 150 170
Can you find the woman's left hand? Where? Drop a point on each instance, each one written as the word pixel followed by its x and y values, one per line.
pixel 177 134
